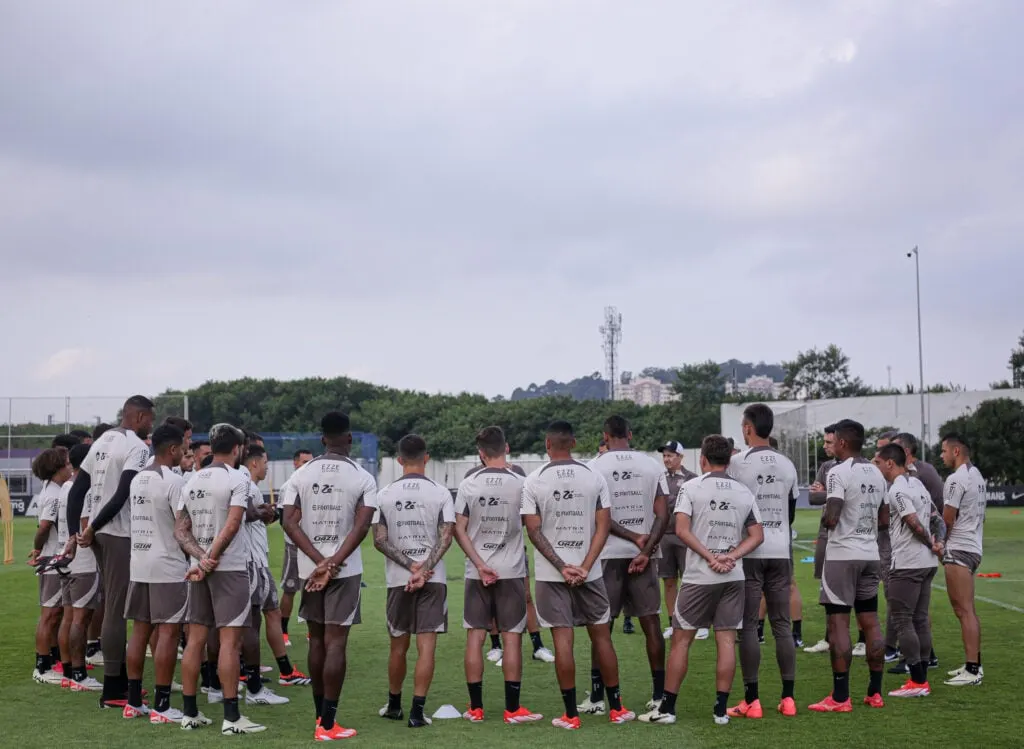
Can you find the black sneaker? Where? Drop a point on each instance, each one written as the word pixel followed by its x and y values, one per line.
pixel 760 639
pixel 391 714
pixel 900 668
pixel 422 722
pixel 798 641
pixel 933 662
pixel 627 626
pixel 892 654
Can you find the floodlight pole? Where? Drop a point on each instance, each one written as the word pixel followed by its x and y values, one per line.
pixel 920 352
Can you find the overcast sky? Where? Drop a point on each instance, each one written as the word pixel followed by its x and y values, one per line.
pixel 195 190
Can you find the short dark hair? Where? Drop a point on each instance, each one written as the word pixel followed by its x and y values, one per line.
pixel 890 435
pixel 77 454
pixel 67 441
pixel 959 440
pixel 165 437
pixel 617 427
pixel 893 452
pixel 335 424
pixel 851 432
pixel 138 402
pixel 224 438
pixel 48 463
pixel 412 448
pixel 196 444
pixel 560 433
pixel 252 436
pixel 732 443
pixel 908 442
pixel 206 461
pixel 81 434
pixel 302 451
pixel 491 441
pixel 183 424
pixel 830 429
pixel 100 430
pixel 759 416
pixel 716 450
pixel 254 451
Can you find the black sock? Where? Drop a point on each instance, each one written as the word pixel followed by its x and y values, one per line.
pixel 537 642
pixel 191 709
pixel 721 701
pixel 284 665
pixel 91 648
pixel 569 698
pixel 318 704
pixel 750 694
pixel 204 674
pixel 860 637
pixel 668 704
pixel 231 709
pixel 214 676
pixel 43 663
pixel 55 655
pixel 476 694
pixel 135 692
pixel 596 685
pixel 977 661
pixel 787 688
pixel 66 668
pixel 840 686
pixel 418 703
pixel 614 698
pixel 79 674
pixel 284 624
pixel 163 698
pixel 512 689
pixel 798 629
pixel 972 667
pixel 328 713
pixel 760 629
pixel 253 680
pixel 658 680
pixel 113 689
pixel 875 683
pixel 495 642
pixel 919 672
pixel 394 702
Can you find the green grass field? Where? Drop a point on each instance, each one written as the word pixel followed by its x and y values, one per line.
pixel 35 715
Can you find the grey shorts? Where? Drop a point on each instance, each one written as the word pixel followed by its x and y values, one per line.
pixel 157 603
pixel 770 576
pixel 338 603
pixel 504 603
pixel 290 569
pixel 819 551
pixel 719 605
pixel 847 582
pixel 635 595
pixel 50 591
pixel 81 591
pixel 673 557
pixel 420 612
pixel 962 559
pixel 561 605
pixel 222 599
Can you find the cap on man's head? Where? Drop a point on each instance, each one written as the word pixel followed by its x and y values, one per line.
pixel 673 446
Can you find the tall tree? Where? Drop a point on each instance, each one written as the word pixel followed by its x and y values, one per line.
pixel 700 389
pixel 1017 363
pixel 993 431
pixel 818 374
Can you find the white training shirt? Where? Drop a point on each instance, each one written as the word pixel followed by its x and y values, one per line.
pixel 84 562
pixel 772 479
pixel 49 499
pixel 155 497
pixel 412 508
pixel 259 545
pixel 328 491
pixel 281 494
pixel 720 509
pixel 491 499
pixel 634 480
pixel 965 490
pixel 208 497
pixel 861 487
pixel 117 450
pixel 908 496
pixel 566 494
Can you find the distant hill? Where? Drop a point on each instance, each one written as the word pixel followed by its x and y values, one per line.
pixel 595 387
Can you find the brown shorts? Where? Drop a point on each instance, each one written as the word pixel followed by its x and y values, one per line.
pixel 157 603
pixel 673 558
pixel 417 613
pixel 819 551
pixel 290 569
pixel 81 591
pixel 719 605
pixel 846 582
pixel 636 595
pixel 559 605
pixel 50 592
pixel 962 559
pixel 338 603
pixel 220 600
pixel 504 603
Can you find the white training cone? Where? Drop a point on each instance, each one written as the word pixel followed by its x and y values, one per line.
pixel 446 711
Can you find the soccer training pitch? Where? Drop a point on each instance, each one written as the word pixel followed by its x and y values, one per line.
pixel 34 715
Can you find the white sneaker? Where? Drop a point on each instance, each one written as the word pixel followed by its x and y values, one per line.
pixel 963 669
pixel 543 654
pixel 149 652
pixel 721 720
pixel 499 662
pixel 170 715
pixel 667 634
pixel 175 687
pixel 821 646
pixel 860 650
pixel 47 677
pixel 265 669
pixel 702 634
pixel 213 696
pixel 656 716
pixel 653 704
pixel 965 679
pixel 88 684
pixel 181 652
pixel 265 697
pixel 589 707
pixel 96 659
pixel 240 726
pixel 494 655
pixel 191 723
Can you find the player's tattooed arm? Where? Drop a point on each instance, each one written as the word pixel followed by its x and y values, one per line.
pixel 833 509
pixel 917 529
pixel 383 544
pixel 183 535
pixel 936 524
pixel 617 530
pixel 445 534
pixel 540 541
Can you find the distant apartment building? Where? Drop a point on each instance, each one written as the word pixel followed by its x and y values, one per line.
pixel 756 385
pixel 646 391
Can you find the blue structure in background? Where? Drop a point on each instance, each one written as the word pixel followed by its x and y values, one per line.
pixel 282 446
